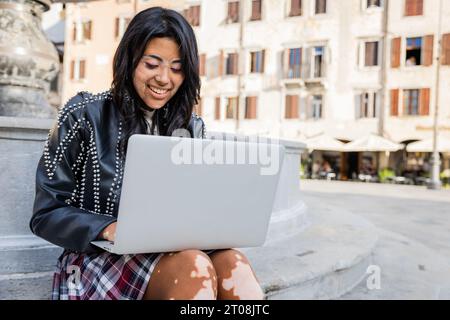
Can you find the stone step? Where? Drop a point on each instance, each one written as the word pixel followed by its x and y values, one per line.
pixel 325 261
pixel 26 254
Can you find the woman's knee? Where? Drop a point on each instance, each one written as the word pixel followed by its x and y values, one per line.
pixel 235 276
pixel 187 274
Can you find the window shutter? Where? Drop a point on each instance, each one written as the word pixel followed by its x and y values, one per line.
pixel 424 102
pixel 235 63
pixel 296 8
pixel 116 30
pixel 221 63
pixel 256 10
pixel 74 32
pixel 409 7
pixel 72 69
pixel 202 70
pixel 217 109
pixel 263 61
pixel 198 107
pixel 82 69
pixel 250 111
pixel 358 106
pixel 413 7
pixel 428 50
pixel 419 7
pixel 86 29
pixel 394 102
pixel 233 11
pixel 378 112
pixel 446 49
pixel 395 52
pixel 285 62
pixel 291 107
pixel 197 15
pixel 287 109
pixel 254 107
pixel 306 62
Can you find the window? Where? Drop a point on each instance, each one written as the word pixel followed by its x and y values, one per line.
pixel 77 69
pixel 318 60
pixel 256 10
pixel 233 12
pixel 419 51
pixel 371 54
pixel 231 110
pixel 413 51
pixel 315 108
pixel 413 8
pixel 321 7
pixel 296 8
pixel 367 105
pixel 416 102
pixel 82 31
pixel 294 63
pixel 257 61
pixel 217 109
pixel 291 111
pixel 411 102
pixel 232 64
pixel 121 25
pixel 250 107
pixel 373 3
pixel 192 15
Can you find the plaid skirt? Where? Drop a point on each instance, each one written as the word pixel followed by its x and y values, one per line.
pixel 102 276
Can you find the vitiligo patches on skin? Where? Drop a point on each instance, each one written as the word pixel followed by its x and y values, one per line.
pixel 202 264
pixel 243 283
pixel 205 293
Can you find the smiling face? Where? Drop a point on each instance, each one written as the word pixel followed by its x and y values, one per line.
pixel 159 74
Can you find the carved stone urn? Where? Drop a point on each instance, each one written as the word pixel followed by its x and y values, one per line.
pixel 28 60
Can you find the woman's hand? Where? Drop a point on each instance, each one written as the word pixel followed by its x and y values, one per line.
pixel 109 233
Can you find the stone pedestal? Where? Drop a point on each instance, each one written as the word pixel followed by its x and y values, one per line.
pixel 289 211
pixel 28 60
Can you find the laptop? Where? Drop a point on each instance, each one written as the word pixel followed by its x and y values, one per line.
pixel 182 193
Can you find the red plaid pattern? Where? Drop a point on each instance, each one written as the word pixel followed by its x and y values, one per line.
pixel 102 276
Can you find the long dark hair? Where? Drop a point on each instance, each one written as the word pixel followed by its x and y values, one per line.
pixel 152 23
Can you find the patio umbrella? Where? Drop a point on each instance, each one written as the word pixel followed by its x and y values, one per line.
pixel 372 143
pixel 427 145
pixel 324 142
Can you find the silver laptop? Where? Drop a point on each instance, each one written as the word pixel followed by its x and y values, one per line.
pixel 182 193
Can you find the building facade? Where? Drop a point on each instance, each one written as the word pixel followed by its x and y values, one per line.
pixel 294 68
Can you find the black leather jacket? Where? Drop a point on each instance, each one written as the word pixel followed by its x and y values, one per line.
pixel 79 176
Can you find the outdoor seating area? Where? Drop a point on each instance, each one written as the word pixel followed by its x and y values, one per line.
pixel 374 159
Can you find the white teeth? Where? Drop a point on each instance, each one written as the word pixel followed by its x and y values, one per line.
pixel 158 91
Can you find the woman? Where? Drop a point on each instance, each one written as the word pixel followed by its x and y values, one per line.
pixel 78 182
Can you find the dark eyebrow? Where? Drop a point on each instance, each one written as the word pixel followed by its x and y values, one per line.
pixel 160 59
